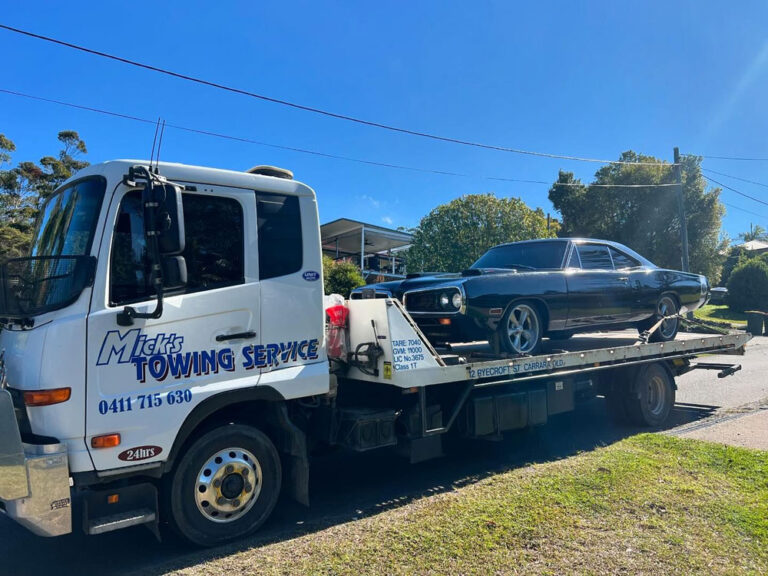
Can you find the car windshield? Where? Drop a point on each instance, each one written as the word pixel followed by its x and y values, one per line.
pixel 524 255
pixel 67 221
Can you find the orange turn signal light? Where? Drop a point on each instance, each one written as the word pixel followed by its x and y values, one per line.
pixel 47 397
pixel 113 498
pixel 106 441
pixel 444 321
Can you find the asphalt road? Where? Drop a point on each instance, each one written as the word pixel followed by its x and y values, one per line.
pixel 345 487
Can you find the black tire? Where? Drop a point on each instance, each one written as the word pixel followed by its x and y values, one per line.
pixel 233 455
pixel 652 396
pixel 560 335
pixel 521 329
pixel 666 306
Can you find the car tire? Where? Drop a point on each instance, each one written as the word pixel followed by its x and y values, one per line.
pixel 224 486
pixel 651 397
pixel 521 328
pixel 666 306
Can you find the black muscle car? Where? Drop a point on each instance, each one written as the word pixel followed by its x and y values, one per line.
pixel 518 293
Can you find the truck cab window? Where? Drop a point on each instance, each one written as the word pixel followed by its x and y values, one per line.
pixel 280 240
pixel 213 253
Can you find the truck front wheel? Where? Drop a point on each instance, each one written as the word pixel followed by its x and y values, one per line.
pixel 224 486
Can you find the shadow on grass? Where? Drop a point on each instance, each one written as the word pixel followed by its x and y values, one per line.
pixel 344 487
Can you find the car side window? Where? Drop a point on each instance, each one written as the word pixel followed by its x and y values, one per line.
pixel 621 260
pixel 573 259
pixel 595 257
pixel 213 253
pixel 280 240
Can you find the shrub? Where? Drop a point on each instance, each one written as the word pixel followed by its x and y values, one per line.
pixel 748 286
pixel 340 277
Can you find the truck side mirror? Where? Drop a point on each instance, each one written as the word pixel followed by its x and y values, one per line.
pixel 174 272
pixel 168 218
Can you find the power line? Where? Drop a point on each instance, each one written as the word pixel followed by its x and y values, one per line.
pixel 745 210
pixel 739 192
pixel 311 109
pixel 735 177
pixel 730 158
pixel 306 151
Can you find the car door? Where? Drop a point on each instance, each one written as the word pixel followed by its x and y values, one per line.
pixel 143 379
pixel 597 293
pixel 642 282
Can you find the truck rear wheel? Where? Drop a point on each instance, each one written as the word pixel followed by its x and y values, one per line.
pixel 652 397
pixel 224 486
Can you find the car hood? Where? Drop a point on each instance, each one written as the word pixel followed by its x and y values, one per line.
pixel 399 287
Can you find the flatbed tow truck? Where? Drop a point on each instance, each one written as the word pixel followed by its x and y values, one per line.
pixel 166 359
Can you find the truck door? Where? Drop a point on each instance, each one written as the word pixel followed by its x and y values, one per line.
pixel 144 379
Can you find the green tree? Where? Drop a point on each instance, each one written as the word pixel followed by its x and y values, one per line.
pixel 452 236
pixel 25 187
pixel 748 286
pixel 756 232
pixel 340 277
pixel 646 219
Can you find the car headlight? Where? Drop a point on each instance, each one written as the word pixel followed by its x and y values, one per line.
pixel 456 300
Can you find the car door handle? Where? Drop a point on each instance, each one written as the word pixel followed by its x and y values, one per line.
pixel 236 336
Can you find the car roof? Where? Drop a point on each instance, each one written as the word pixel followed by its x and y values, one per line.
pixel 578 240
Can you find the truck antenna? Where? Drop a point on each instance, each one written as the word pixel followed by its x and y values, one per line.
pixel 159 144
pixel 154 141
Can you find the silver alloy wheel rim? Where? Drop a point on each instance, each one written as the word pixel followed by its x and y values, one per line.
pixel 228 485
pixel 522 329
pixel 656 395
pixel 667 307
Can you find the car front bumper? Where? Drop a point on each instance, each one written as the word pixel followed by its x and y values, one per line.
pixel 34 478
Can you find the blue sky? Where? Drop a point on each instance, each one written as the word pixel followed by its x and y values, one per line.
pixel 575 78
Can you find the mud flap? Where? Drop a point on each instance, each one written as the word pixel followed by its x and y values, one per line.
pixel 291 442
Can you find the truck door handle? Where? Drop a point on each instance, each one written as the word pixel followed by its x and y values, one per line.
pixel 624 279
pixel 236 336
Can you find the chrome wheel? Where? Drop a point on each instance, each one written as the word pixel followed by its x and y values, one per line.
pixel 656 399
pixel 228 485
pixel 667 307
pixel 523 331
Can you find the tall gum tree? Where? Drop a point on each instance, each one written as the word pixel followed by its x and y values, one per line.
pixel 25 187
pixel 646 219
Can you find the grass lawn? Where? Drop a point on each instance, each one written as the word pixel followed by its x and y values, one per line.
pixel 720 313
pixel 650 504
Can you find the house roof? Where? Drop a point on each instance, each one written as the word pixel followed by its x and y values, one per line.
pixel 346 235
pixel 753 245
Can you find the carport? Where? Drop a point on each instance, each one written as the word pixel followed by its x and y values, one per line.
pixel 375 249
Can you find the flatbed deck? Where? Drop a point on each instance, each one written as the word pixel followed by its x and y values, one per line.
pixel 408 360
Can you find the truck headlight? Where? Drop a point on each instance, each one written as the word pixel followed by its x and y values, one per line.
pixel 444 300
pixel 456 300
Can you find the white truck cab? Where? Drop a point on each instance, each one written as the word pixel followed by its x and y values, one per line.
pixel 115 391
pixel 163 351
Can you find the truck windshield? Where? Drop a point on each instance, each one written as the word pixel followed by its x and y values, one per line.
pixel 67 221
pixel 59 266
pixel 524 255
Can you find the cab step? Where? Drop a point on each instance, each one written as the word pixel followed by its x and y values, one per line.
pixel 121 520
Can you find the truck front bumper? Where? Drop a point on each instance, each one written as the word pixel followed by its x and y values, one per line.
pixel 34 478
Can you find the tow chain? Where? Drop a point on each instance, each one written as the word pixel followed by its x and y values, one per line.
pixel 646 334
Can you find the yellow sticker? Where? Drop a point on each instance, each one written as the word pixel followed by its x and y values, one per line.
pixel 388 370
